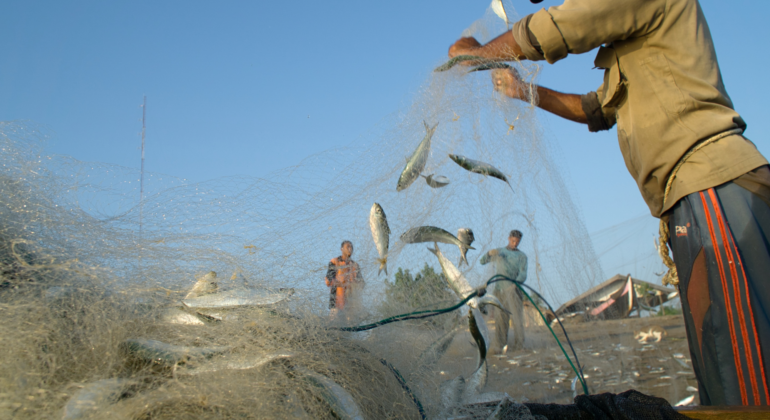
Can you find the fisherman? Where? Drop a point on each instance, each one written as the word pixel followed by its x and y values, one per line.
pixel 683 143
pixel 342 277
pixel 511 263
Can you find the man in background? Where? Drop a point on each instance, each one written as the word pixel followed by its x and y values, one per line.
pixel 511 263
pixel 341 277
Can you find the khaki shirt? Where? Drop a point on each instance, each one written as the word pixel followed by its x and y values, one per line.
pixel 662 86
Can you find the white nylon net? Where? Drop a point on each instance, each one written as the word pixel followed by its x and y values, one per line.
pixel 90 276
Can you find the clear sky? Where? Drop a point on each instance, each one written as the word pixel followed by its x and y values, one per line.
pixel 247 88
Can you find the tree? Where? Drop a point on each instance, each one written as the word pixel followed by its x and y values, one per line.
pixel 426 289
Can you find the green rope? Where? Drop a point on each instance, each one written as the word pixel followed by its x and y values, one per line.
pixel 434 312
pixel 579 374
pixel 410 315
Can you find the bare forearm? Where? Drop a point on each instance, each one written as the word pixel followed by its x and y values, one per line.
pixel 565 105
pixel 502 48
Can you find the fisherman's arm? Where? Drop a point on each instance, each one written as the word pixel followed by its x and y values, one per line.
pixel 502 48
pixel 565 105
pixel 583 109
pixel 575 27
pixel 486 258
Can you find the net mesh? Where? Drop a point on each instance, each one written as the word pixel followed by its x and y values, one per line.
pixel 93 280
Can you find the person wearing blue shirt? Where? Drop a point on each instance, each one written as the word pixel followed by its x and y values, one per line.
pixel 512 263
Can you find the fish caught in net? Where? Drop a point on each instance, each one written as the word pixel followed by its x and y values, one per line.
pixel 208 300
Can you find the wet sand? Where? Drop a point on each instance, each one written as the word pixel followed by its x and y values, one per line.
pixel 612 359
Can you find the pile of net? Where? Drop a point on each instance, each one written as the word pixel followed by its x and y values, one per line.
pixel 208 300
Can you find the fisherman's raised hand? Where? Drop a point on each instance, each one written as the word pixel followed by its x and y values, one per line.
pixel 493 253
pixel 463 46
pixel 509 83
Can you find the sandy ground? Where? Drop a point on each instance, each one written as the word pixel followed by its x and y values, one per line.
pixel 612 359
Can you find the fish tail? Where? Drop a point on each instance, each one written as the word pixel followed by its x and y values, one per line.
pixel 383 265
pixel 434 250
pixel 463 259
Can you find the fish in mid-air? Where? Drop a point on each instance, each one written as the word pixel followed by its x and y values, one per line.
pixel 465 235
pixel 434 234
pixel 459 284
pixel 499 9
pixel 416 163
pixel 436 181
pixel 459 390
pixel 479 167
pixel 378 222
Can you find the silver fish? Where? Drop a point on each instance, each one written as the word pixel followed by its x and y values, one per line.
pixel 180 317
pixel 378 222
pixel 434 234
pixel 158 352
pixel 453 276
pixel 465 235
pixel 458 390
pixel 499 9
pixel 228 362
pixel 460 285
pixel 341 402
pixel 479 167
pixel 94 397
pixel 204 285
pixel 479 332
pixel 436 181
pixel 488 299
pixel 416 163
pixel 239 297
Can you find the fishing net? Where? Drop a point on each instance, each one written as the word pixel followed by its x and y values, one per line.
pixel 97 320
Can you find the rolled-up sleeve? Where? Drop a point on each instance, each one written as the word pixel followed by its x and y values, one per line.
pixel 578 26
pixel 597 120
pixel 525 38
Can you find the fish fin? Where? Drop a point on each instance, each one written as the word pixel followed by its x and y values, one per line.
pixel 425 123
pixel 434 250
pixel 493 301
pixel 383 265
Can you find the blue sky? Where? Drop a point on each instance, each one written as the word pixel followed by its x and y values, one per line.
pixel 247 88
